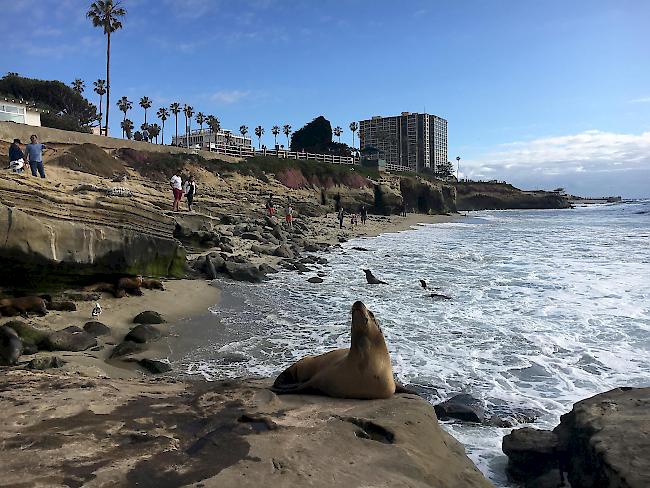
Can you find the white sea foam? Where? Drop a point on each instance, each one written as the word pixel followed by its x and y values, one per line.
pixel 549 307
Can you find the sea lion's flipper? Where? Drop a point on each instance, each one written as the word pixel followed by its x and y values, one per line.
pixel 399 388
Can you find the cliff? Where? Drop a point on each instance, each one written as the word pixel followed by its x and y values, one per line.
pixel 502 196
pixel 82 431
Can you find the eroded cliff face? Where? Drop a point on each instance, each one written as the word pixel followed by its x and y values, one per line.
pixel 230 433
pixel 502 196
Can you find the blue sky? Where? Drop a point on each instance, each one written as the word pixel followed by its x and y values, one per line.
pixel 540 93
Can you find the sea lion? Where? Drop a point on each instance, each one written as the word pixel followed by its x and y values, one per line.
pixel 151 284
pixel 423 284
pixel 23 305
pixel 440 296
pixel 130 285
pixel 11 347
pixel 370 278
pixel 363 371
pixel 63 306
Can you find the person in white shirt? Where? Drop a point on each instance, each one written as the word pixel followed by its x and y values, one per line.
pixel 190 190
pixel 177 189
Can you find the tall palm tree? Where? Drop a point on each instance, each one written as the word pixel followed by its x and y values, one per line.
pixel 107 15
pixel 200 119
pixel 354 127
pixel 100 89
pixel 145 103
pixel 78 85
pixel 127 128
pixel 243 130
pixel 259 130
pixel 188 110
pixel 275 131
pixel 214 124
pixel 163 114
pixel 337 132
pixel 176 109
pixel 287 130
pixel 124 104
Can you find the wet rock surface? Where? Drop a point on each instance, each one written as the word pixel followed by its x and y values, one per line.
pixel 231 433
pixel 148 317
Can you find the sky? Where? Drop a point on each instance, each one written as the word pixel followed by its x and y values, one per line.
pixel 543 94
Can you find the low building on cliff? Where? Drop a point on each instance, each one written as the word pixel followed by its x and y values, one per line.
pixel 204 139
pixel 19 111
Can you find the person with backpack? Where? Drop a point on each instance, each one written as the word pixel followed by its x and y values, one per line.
pixel 190 190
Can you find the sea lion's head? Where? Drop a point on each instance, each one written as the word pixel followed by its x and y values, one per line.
pixel 363 320
pixel 138 280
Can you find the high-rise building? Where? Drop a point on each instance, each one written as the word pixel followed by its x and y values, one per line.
pixel 407 142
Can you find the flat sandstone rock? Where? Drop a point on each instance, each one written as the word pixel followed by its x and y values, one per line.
pixel 232 433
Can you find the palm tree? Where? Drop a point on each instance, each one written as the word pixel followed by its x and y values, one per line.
pixel 259 130
pixel 243 130
pixel 188 110
pixel 354 127
pixel 176 109
pixel 287 130
pixel 124 104
pixel 275 131
pixel 163 114
pixel 228 136
pixel 78 85
pixel 214 124
pixel 106 14
pixel 145 103
pixel 127 128
pixel 100 89
pixel 337 132
pixel 200 119
pixel 154 131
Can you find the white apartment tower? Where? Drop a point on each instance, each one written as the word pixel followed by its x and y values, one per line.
pixel 408 142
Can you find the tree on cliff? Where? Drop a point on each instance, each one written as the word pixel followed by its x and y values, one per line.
pixel 124 104
pixel 215 126
pixel 78 85
pixel 243 130
pixel 259 131
pixel 175 109
pixel 316 136
pixel 100 89
pixel 337 132
pixel 127 128
pixel 287 130
pixel 354 127
pixel 107 15
pixel 275 131
pixel 62 107
pixel 154 131
pixel 163 114
pixel 188 110
pixel 200 119
pixel 145 103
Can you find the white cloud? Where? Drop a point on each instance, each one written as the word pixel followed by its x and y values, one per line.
pixel 640 100
pixel 229 96
pixel 601 155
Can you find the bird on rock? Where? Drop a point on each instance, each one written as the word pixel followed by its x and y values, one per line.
pixel 97 310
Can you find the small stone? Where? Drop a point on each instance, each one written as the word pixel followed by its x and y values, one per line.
pixel 46 363
pixel 95 328
pixel 462 407
pixel 126 348
pixel 154 366
pixel 143 333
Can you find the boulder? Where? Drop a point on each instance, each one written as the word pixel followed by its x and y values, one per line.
pixel 11 347
pixel 267 268
pixel 251 236
pixel 256 248
pixel 217 261
pixel 148 317
pixel 46 363
pixel 95 328
pixel 315 279
pixel 127 348
pixel 530 452
pixel 244 272
pixel 462 407
pixel 154 366
pixel 62 306
pixel 28 334
pixel 70 339
pixel 143 333
pixel 283 251
pixel 227 248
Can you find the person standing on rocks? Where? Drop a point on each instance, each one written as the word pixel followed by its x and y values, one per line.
pixel 190 190
pixel 341 217
pixel 270 206
pixel 289 216
pixel 177 189
pixel 364 214
pixel 34 152
pixel 16 157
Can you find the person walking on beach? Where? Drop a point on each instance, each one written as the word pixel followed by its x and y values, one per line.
pixel 34 152
pixel 177 189
pixel 341 217
pixel 190 190
pixel 289 216
pixel 16 157
pixel 364 214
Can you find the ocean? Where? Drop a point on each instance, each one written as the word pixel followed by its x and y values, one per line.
pixel 548 307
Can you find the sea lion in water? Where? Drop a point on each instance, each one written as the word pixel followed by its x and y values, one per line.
pixel 440 296
pixel 423 284
pixel 363 371
pixel 23 305
pixel 370 278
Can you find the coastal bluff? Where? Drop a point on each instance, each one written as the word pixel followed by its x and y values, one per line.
pixel 74 430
